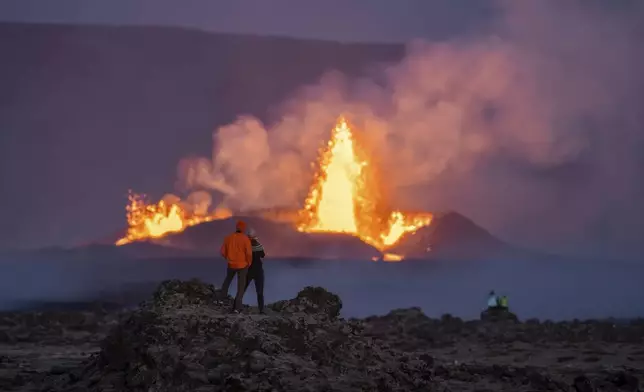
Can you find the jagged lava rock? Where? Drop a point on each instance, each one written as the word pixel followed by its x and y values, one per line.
pixel 184 339
pixel 313 300
pixel 498 315
pixel 176 293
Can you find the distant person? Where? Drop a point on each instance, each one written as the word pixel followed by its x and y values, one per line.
pixel 492 301
pixel 256 270
pixel 237 250
pixel 503 302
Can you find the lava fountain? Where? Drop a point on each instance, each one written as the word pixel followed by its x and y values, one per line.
pixel 149 220
pixel 347 196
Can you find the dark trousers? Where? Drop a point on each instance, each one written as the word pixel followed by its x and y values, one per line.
pixel 241 284
pixel 257 275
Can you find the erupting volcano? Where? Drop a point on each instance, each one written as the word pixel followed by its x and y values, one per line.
pixel 347 196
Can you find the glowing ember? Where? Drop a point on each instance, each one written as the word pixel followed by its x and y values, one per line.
pixel 147 220
pixel 346 196
pixel 389 257
pixel 392 257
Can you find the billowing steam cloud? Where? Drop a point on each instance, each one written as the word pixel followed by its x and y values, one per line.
pixel 495 125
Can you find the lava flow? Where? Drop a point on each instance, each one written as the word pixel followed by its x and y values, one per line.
pixel 146 220
pixel 347 196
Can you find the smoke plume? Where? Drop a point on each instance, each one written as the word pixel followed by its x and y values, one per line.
pixel 536 121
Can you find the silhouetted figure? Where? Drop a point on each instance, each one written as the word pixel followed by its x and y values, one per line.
pixel 237 250
pixel 492 301
pixel 503 302
pixel 256 270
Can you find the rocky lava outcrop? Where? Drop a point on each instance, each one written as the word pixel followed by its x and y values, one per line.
pixel 185 339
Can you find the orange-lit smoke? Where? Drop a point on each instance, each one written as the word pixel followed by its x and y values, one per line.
pixel 465 124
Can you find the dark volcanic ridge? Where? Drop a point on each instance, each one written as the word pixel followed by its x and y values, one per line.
pixel 185 339
pixel 450 236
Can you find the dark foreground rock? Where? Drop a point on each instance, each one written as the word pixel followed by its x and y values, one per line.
pixel 189 343
pixel 185 339
pixel 499 315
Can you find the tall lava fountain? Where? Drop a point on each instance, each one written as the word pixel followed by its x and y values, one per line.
pixel 348 196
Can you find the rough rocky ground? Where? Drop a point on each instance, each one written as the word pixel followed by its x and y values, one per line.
pixel 184 339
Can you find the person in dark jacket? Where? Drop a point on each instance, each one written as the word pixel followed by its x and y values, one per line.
pixel 256 270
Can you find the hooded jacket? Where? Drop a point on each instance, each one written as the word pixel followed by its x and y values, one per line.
pixel 258 254
pixel 237 250
pixel 493 301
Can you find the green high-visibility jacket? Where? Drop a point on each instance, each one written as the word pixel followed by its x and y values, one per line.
pixel 504 301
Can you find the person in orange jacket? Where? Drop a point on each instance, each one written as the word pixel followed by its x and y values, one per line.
pixel 238 252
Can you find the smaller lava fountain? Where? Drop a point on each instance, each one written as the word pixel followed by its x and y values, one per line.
pixel 148 220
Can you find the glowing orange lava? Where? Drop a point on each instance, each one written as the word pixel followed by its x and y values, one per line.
pixel 389 257
pixel 347 196
pixel 148 220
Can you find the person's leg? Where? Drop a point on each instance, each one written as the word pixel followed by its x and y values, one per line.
pixel 230 274
pixel 249 278
pixel 241 287
pixel 259 288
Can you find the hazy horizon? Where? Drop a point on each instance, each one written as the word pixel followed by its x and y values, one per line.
pixel 542 290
